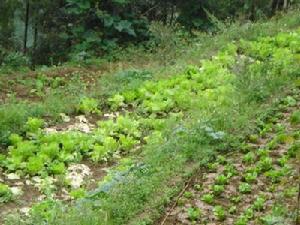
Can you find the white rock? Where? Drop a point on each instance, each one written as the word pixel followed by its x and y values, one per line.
pixel 50 130
pixel 13 176
pixel 41 197
pixel 77 173
pixel 28 182
pixel 17 191
pixel 81 119
pixel 65 118
pixel 25 210
pixel 36 179
pixel 19 183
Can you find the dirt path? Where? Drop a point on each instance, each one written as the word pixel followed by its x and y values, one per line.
pixel 256 185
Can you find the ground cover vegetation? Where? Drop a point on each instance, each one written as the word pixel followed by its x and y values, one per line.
pixel 187 117
pixel 260 191
pixel 221 111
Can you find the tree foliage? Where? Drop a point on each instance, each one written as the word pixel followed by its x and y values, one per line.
pixel 53 31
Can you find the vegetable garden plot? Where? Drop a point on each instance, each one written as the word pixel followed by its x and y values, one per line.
pixel 257 185
pixel 142 115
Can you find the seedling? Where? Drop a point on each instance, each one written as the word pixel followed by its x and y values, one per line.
pixel 250 177
pixel 5 193
pixel 221 160
pixel 180 202
pixel 265 164
pixel 213 167
pixel 188 194
pixel 253 138
pixel 245 148
pixel 283 160
pixel 292 151
pixel 295 118
pixel 221 180
pixel 258 205
pixel 208 198
pixel 198 187
pixel 249 158
pixel 262 152
pixel 219 213
pixel 249 213
pixel 232 209
pixel 116 102
pixel 290 192
pixel 230 170
pixel 194 213
pixel 242 220
pixel 273 144
pixel 78 193
pixel 284 138
pixel 58 168
pixel 88 106
pixel 236 199
pixel 218 189
pixel 274 175
pixel 245 188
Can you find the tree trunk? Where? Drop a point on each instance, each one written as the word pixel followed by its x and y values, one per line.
pixel 26 27
pixel 172 14
pixel 253 10
pixel 34 55
pixel 285 4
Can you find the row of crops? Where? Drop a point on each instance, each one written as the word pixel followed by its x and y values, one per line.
pixel 257 184
pixel 144 112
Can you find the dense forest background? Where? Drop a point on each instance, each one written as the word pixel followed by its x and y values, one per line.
pixel 50 32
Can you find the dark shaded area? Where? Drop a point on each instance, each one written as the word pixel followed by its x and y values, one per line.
pixel 50 32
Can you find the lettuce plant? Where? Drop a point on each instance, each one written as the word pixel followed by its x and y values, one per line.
pixel 5 193
pixel 78 193
pixel 221 179
pixel 259 202
pixel 57 168
pixel 88 106
pixel 116 102
pixel 245 188
pixel 194 213
pixel 295 118
pixel 242 220
pixel 274 175
pixel 219 213
pixel 250 177
pixel 218 189
pixel 35 165
pixel 265 164
pixel 208 198
pixel 249 158
pixel 33 125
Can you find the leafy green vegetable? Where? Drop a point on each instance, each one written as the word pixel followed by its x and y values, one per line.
pixel 221 179
pixel 208 198
pixel 249 158
pixel 219 213
pixel 295 118
pixel 265 164
pixel 258 204
pixel 245 188
pixel 33 125
pixel 5 193
pixel 218 189
pixel 78 193
pixel 194 213
pixel 88 106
